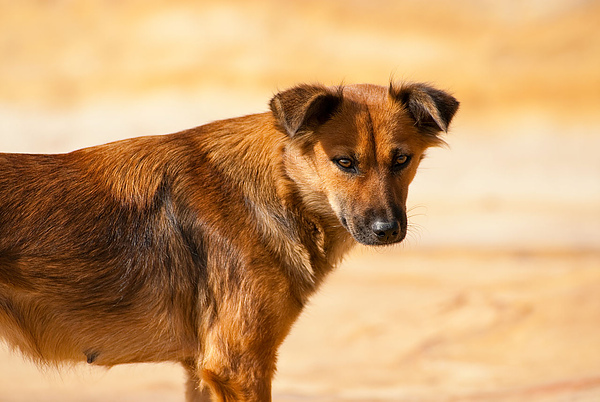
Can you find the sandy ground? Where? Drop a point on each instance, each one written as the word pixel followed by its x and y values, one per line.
pixel 493 296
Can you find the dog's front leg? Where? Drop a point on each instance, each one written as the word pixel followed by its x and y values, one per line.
pixel 239 378
pixel 239 361
pixel 194 391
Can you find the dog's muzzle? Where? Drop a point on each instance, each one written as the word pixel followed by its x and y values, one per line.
pixel 377 231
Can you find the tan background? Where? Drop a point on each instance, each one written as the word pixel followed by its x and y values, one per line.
pixel 496 293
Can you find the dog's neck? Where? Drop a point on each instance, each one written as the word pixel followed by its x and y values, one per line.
pixel 331 241
pixel 281 208
pixel 323 240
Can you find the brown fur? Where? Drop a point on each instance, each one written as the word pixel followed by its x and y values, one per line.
pixel 203 246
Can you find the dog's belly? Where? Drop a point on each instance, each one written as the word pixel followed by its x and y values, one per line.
pixel 53 325
pixel 48 330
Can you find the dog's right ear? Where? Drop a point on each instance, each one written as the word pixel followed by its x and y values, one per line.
pixel 303 108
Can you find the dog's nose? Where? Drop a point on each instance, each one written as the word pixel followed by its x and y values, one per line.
pixel 386 231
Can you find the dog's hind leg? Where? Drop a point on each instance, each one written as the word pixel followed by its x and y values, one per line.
pixel 195 391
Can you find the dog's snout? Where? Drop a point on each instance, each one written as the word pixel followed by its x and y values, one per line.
pixel 386 231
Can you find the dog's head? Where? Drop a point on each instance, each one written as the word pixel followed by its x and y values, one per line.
pixel 358 147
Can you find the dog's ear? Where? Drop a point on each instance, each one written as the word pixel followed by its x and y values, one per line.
pixel 305 107
pixel 431 108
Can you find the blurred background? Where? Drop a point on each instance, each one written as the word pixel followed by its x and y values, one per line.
pixel 494 295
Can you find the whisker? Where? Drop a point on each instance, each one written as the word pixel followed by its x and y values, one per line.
pixel 410 211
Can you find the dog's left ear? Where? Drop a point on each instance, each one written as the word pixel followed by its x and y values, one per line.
pixel 431 108
pixel 303 108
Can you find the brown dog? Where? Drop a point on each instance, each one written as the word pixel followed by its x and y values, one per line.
pixel 202 247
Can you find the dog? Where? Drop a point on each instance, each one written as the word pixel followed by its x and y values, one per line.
pixel 203 246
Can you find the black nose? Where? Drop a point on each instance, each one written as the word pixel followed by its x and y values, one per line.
pixel 386 231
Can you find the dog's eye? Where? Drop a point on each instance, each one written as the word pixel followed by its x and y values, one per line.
pixel 345 164
pixel 400 161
